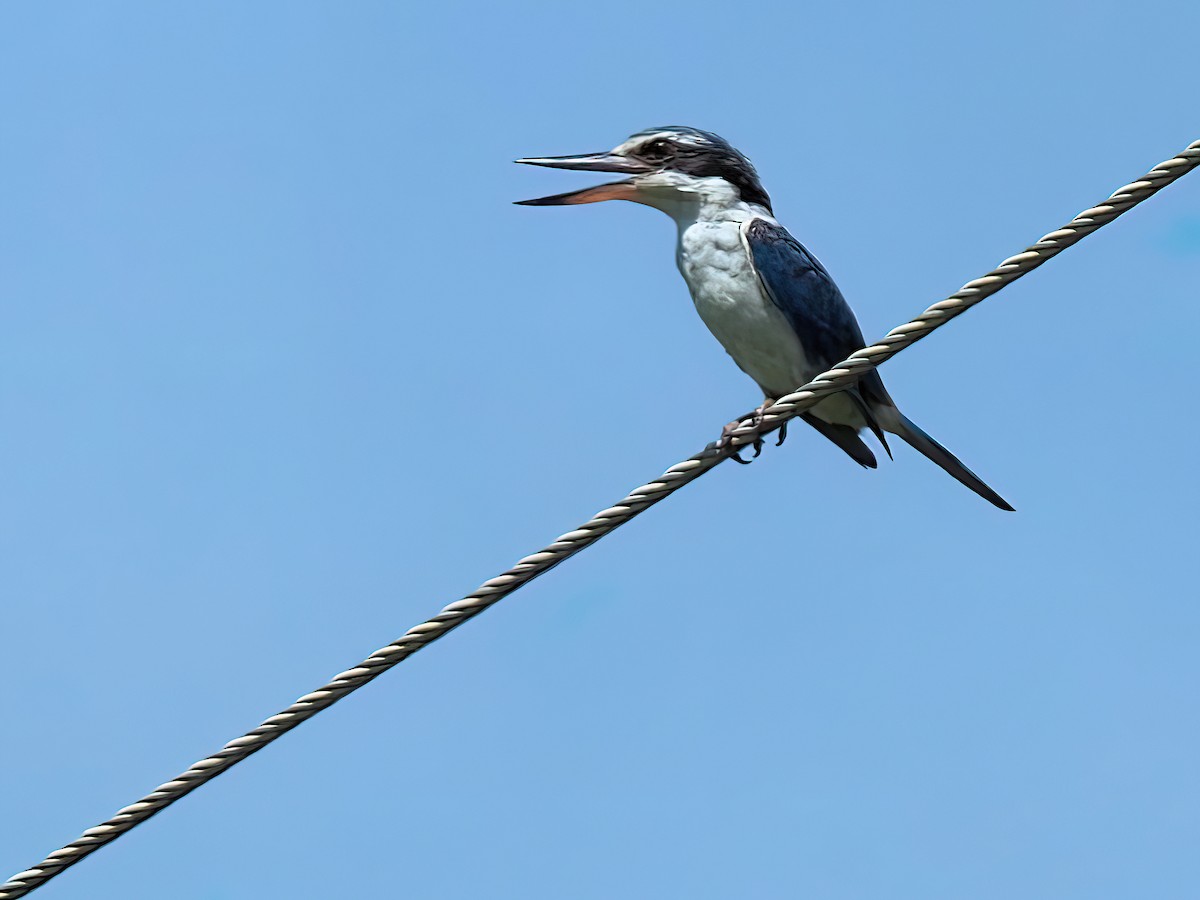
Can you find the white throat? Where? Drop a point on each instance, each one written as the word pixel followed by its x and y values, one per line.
pixel 688 199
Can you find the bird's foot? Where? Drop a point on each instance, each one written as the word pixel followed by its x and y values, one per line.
pixel 754 419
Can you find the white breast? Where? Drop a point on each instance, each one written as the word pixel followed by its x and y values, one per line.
pixel 716 265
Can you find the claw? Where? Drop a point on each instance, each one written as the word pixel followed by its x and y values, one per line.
pixel 727 438
pixel 755 419
pixel 782 434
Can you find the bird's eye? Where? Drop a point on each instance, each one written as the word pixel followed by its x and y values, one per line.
pixel 659 149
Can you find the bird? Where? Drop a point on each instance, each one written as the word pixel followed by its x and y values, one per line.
pixel 769 302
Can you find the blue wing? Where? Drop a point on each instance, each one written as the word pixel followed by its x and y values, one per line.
pixel 805 293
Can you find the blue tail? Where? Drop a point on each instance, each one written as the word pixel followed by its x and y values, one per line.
pixel 912 435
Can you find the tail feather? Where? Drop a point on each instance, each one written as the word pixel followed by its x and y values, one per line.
pixel 912 435
pixel 845 437
pixel 872 422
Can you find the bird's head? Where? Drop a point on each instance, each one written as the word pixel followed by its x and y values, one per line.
pixel 668 165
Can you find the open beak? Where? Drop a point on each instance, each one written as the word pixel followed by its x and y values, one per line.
pixel 591 162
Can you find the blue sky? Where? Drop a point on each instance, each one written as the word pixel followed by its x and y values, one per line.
pixel 283 371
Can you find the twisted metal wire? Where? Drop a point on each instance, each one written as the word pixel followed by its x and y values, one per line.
pixel 640 499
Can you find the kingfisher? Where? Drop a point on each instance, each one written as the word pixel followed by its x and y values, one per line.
pixel 766 298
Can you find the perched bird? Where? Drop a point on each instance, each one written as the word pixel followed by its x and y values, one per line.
pixel 771 304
